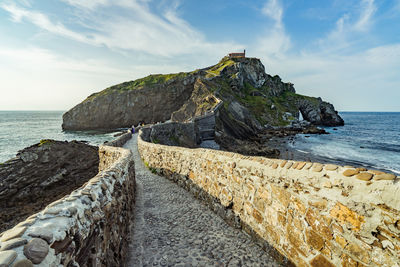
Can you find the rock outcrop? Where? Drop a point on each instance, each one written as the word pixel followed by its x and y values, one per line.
pixel 319 112
pixel 41 174
pixel 253 100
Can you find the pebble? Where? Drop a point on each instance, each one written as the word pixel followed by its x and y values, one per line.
pixel 43 234
pixel 331 167
pixel 301 165
pixel 365 176
pixel 7 257
pixel 350 172
pixel 72 210
pixel 23 263
pixel 27 222
pixel 36 250
pixel 317 168
pixel 283 163
pixel 13 243
pixel 288 165
pixel 385 176
pixel 52 211
pixel 13 233
pixel 308 165
pixel 70 199
pixel 376 172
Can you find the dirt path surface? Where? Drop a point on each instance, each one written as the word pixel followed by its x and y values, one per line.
pixel 172 228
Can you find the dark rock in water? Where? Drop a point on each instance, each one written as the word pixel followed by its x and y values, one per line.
pixel 119 134
pixel 314 130
pixel 319 112
pixel 41 174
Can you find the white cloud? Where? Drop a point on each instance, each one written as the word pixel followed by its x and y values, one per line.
pixel 140 29
pixel 349 25
pixel 336 68
pixel 89 4
pixel 42 21
pixel 368 9
pixel 36 78
pixel 274 41
pixel 273 9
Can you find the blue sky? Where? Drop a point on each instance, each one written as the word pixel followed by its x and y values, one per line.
pixel 53 54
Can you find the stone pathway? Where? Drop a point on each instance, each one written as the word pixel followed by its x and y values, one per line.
pixel 172 228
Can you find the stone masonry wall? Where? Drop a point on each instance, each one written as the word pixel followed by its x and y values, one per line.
pixel 121 140
pixel 88 227
pixel 313 214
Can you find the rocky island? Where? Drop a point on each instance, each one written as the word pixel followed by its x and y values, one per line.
pixel 252 101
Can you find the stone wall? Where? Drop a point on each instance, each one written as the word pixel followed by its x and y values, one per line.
pixel 313 214
pixel 89 227
pixel 121 140
pixel 172 134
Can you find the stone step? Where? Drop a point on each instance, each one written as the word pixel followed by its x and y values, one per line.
pixel 206 129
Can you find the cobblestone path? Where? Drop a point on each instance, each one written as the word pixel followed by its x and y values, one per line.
pixel 172 228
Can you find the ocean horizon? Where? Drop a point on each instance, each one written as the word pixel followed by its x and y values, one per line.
pixel 370 139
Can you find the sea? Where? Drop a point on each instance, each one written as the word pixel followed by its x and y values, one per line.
pixel 370 139
pixel 20 129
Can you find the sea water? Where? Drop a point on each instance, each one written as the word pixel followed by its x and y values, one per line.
pixel 370 139
pixel 20 129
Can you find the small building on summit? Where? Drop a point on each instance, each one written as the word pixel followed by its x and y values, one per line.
pixel 237 55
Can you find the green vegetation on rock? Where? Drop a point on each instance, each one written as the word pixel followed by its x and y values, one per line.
pixel 217 69
pixel 148 81
pixel 45 141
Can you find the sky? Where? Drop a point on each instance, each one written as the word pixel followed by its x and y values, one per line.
pixel 53 54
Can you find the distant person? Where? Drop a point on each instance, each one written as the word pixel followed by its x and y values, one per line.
pixel 133 129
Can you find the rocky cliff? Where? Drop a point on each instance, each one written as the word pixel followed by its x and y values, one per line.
pixel 253 100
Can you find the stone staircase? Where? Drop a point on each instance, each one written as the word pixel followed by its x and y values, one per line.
pixel 205 124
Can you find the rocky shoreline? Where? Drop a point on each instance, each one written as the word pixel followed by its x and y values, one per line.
pixel 41 174
pixel 267 143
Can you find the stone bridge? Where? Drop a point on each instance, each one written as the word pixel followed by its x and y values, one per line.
pixel 173 228
pixel 212 208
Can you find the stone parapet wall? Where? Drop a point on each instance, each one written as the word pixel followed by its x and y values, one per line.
pixel 121 140
pixel 313 214
pixel 89 227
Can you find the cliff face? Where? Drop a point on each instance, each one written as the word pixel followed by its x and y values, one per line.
pixel 151 99
pixel 252 100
